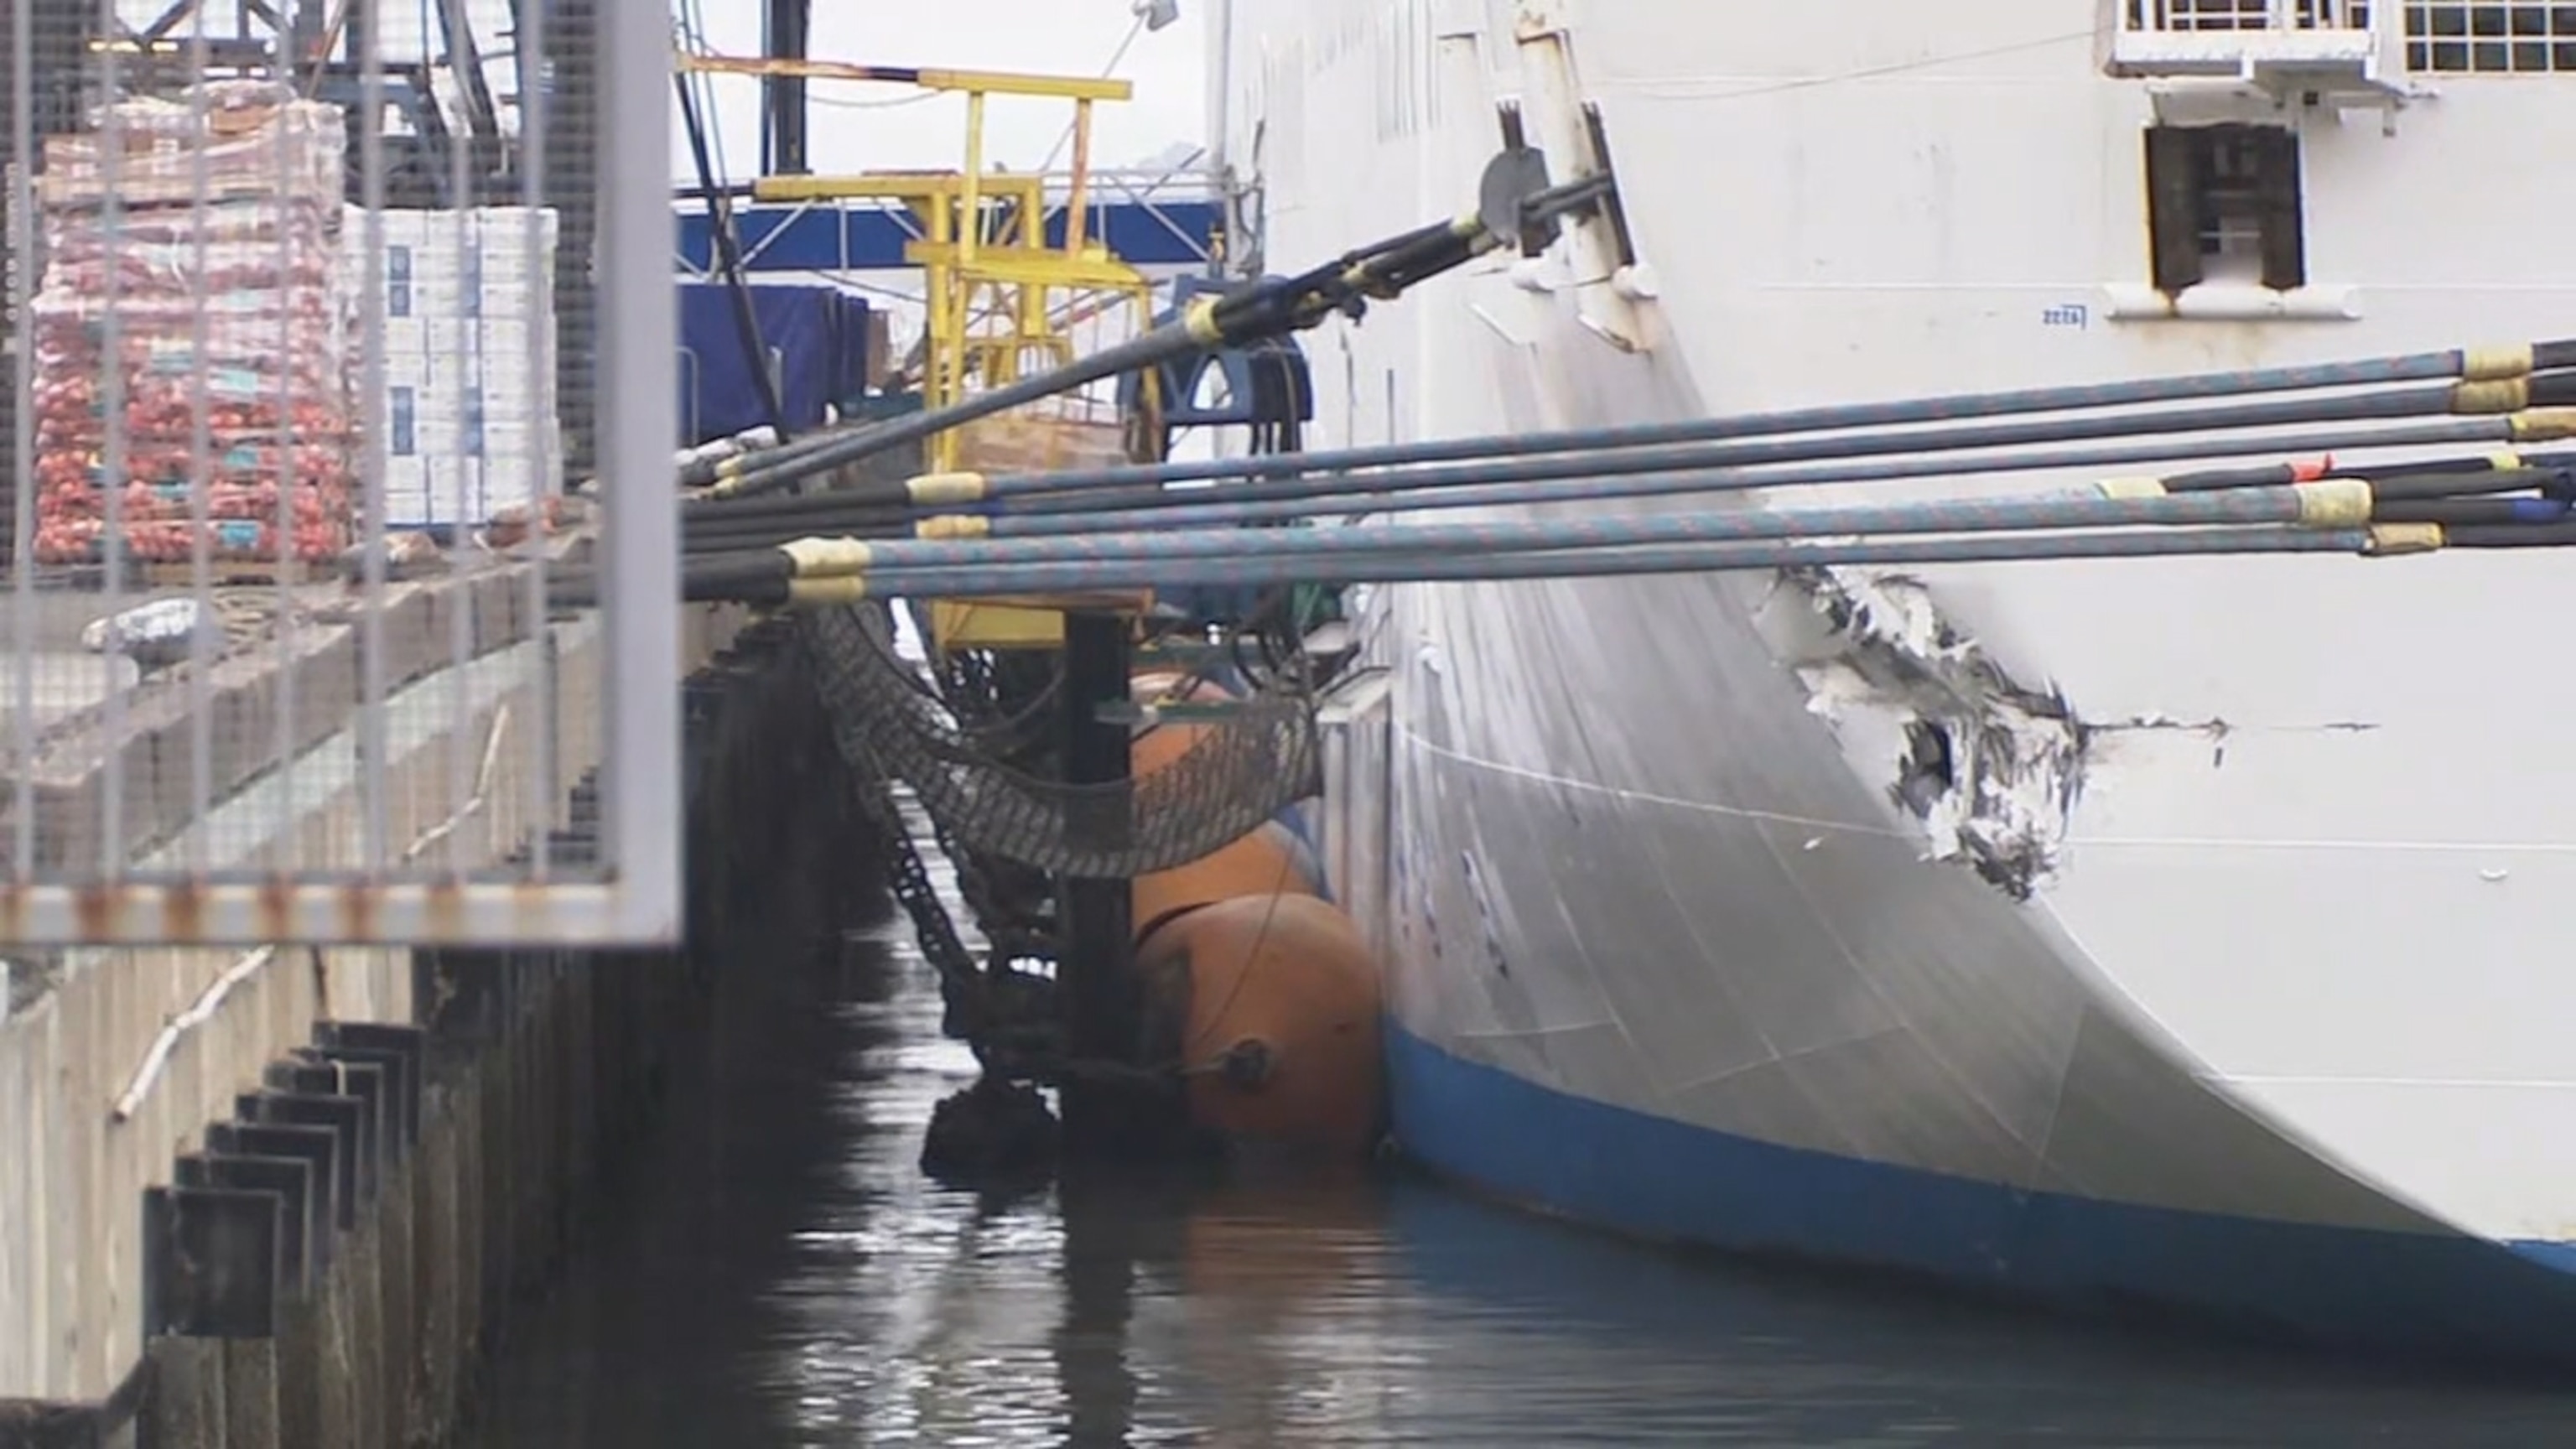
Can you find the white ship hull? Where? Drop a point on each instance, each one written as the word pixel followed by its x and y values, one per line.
pixel 2273 1021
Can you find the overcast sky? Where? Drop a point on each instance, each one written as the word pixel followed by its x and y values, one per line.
pixel 854 129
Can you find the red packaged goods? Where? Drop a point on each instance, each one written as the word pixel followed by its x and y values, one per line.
pixel 81 540
pixel 220 222
pixel 225 139
pixel 190 332
pixel 183 272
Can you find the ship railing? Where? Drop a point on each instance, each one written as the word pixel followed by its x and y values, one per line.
pixel 2237 16
pixel 2347 48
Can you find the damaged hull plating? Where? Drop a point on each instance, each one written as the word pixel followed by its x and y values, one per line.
pixel 1688 973
pixel 2174 933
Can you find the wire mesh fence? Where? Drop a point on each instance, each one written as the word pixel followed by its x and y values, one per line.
pixel 328 324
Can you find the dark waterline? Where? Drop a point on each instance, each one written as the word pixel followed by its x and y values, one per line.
pixel 785 1277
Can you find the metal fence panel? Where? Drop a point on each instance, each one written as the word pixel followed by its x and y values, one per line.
pixel 328 338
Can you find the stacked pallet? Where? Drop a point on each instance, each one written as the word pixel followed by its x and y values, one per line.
pixel 190 333
pixel 464 302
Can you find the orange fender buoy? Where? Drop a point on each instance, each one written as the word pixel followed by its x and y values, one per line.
pixel 1268 861
pixel 1276 998
pixel 1265 863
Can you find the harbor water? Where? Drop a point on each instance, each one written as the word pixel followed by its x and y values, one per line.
pixel 787 1277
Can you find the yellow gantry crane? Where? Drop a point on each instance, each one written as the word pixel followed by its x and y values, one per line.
pixel 1001 296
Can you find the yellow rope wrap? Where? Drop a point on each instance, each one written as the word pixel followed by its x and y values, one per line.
pixel 954 525
pixel 936 490
pixel 1200 319
pixel 2390 539
pixel 826 557
pixel 2504 396
pixel 2334 503
pixel 822 593
pixel 2495 364
pixel 2544 425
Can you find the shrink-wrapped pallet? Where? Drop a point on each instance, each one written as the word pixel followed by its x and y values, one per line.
pixel 190 332
pixel 464 302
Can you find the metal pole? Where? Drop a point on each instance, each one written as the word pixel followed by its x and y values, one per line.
pixel 728 258
pixel 1095 991
pixel 783 110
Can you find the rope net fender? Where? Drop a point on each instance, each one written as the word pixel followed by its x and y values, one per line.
pixel 1245 768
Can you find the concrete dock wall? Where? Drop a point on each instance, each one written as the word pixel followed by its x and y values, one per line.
pixel 302 1220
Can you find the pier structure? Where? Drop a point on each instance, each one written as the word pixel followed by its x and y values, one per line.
pixel 346 949
pixel 317 817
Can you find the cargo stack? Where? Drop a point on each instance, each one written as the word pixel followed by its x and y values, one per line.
pixel 191 333
pixel 465 301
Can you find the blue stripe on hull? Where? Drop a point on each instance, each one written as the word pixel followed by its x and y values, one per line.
pixel 2451 1297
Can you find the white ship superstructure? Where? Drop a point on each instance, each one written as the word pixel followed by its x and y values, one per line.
pixel 2183 929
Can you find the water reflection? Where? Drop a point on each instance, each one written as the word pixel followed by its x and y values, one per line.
pixel 787 1278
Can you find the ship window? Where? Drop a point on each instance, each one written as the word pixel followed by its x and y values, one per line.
pixel 2223 205
pixel 2490 37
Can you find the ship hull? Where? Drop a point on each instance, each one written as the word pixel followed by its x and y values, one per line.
pixel 2217 968
pixel 1755 1019
pixel 2412 1295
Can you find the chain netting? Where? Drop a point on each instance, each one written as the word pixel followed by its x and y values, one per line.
pixel 1247 767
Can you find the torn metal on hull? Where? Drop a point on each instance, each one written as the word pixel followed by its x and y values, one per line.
pixel 1991 767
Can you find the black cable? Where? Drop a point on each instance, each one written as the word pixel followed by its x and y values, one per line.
pixel 2522 513
pixel 729 260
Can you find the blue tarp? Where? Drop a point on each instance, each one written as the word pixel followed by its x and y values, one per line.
pixel 817 337
pixel 804 238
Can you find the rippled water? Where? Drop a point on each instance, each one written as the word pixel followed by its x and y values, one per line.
pixel 787 1278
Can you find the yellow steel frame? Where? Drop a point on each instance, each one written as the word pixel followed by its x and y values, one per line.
pixel 990 275
pixel 987 82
